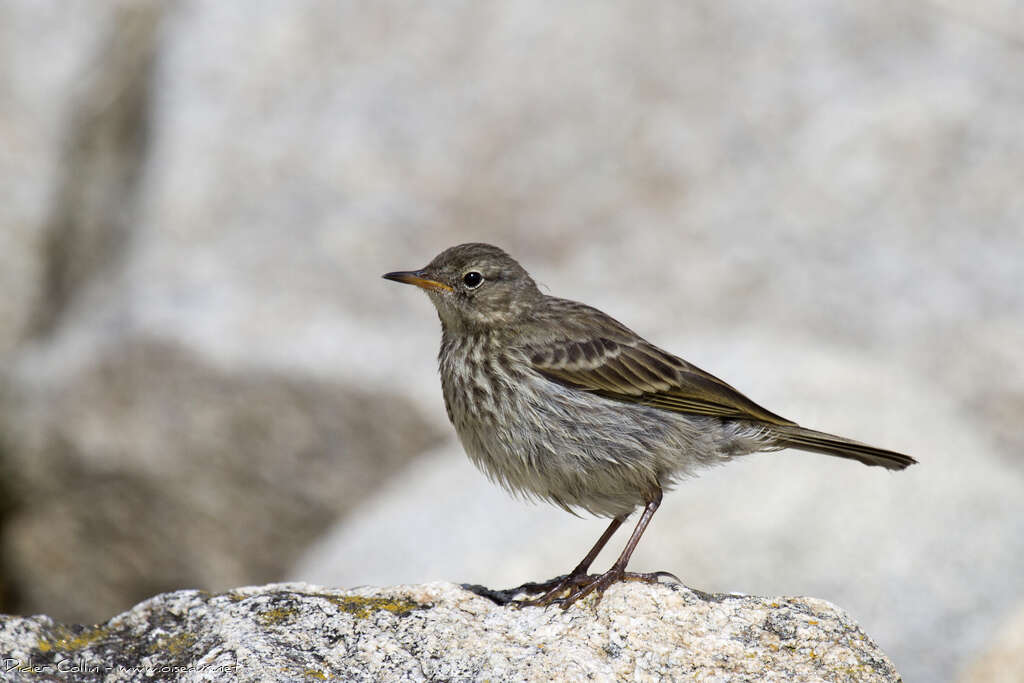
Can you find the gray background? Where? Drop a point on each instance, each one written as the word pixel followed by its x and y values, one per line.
pixel 205 382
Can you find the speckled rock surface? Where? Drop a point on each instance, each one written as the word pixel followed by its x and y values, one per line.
pixel 440 631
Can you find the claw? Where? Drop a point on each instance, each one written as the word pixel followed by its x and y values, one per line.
pixel 652 577
pixel 580 586
pixel 553 588
pixel 533 587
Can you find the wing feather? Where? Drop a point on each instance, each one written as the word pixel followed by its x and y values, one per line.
pixel 583 348
pixel 632 370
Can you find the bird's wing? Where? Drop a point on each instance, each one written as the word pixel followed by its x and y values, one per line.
pixel 614 363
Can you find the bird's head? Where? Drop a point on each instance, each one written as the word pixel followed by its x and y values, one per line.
pixel 474 286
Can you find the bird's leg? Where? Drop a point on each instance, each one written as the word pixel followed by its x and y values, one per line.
pixel 618 572
pixel 553 587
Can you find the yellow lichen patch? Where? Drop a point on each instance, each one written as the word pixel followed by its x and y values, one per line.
pixel 173 644
pixel 314 673
pixel 361 607
pixel 277 615
pixel 61 638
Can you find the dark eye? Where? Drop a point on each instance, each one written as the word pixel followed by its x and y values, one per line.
pixel 472 279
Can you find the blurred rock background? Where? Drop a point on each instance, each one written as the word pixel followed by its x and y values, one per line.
pixel 202 371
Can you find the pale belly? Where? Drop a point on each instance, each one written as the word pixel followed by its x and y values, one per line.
pixel 579 450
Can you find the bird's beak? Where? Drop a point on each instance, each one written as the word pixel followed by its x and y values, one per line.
pixel 415 277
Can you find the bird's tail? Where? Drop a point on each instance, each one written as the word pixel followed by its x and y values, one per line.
pixel 830 444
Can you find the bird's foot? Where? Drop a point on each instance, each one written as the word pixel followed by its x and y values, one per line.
pixel 551 589
pixel 582 585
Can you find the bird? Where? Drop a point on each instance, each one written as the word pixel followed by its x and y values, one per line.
pixel 557 401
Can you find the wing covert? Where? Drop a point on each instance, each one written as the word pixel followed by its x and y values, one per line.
pixel 636 371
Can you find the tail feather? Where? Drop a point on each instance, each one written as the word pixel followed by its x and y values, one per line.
pixel 830 444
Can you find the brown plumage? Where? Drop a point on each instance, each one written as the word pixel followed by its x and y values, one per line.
pixel 555 400
pixel 615 363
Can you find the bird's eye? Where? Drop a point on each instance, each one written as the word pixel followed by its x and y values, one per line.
pixel 472 279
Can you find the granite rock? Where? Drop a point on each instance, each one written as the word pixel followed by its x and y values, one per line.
pixel 440 631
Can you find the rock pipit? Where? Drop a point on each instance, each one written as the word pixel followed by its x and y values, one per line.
pixel 557 401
